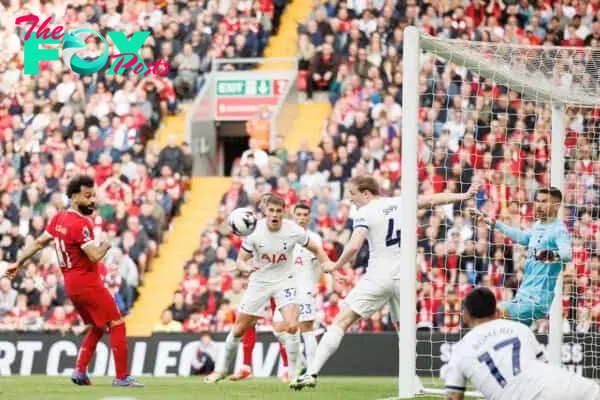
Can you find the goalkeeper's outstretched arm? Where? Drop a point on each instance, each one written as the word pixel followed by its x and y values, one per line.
pixel 521 237
pixel 517 235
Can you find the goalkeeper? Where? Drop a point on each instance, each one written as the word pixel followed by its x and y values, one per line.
pixel 548 248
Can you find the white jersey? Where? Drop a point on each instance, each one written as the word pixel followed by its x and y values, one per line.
pixel 274 250
pixel 503 360
pixel 307 268
pixel 382 218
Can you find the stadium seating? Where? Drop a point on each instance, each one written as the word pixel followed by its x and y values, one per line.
pixel 57 124
pixel 357 53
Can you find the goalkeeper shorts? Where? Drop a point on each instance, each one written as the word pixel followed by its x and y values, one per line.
pixel 524 310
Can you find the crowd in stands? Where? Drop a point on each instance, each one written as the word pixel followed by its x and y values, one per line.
pixel 57 124
pixel 468 128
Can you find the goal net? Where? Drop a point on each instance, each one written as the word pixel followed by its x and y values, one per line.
pixel 520 118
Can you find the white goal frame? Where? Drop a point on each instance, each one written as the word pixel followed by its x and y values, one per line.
pixel 414 43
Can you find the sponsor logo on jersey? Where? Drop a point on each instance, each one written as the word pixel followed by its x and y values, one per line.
pixel 274 258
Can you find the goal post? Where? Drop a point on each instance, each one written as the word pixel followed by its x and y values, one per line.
pixel 548 80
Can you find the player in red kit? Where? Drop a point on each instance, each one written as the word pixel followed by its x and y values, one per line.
pixel 71 231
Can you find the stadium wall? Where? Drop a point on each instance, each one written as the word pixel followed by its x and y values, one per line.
pixel 172 355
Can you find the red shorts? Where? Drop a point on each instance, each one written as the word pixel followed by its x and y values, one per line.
pixel 96 306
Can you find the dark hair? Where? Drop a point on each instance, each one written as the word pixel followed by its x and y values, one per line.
pixel 366 183
pixel 480 303
pixel 77 183
pixel 554 192
pixel 276 201
pixel 302 206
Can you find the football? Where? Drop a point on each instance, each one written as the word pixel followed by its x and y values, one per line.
pixel 242 221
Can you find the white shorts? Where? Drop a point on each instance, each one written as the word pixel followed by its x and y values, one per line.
pixel 259 294
pixel 574 388
pixel 550 382
pixel 370 295
pixel 307 308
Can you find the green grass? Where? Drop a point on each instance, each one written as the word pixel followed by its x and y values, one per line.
pixel 61 388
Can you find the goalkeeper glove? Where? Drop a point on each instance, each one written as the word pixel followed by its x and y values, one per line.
pixel 479 216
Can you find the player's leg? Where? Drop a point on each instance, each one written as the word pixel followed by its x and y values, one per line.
pixel 279 331
pixel 88 347
pixel 523 311
pixel 306 321
pixel 118 344
pixel 250 309
pixel 243 322
pixel 291 337
pixel 310 341
pixel 103 310
pixel 363 301
pixel 248 343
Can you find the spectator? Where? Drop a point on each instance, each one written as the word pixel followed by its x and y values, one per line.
pixel 179 309
pixel 167 324
pixel 207 353
pixel 235 197
pixel 188 66
pixel 323 67
pixel 210 300
pixel 8 296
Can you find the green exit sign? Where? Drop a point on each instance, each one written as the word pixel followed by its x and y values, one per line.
pixel 231 88
pixel 248 87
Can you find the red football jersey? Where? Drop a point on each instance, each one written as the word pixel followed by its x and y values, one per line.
pixel 72 232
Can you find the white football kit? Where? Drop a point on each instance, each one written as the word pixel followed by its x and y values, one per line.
pixel 307 276
pixel 276 276
pixel 504 361
pixel 379 285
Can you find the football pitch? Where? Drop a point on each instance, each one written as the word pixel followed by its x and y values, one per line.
pixel 330 388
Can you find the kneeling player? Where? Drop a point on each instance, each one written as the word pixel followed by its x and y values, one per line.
pixel 504 361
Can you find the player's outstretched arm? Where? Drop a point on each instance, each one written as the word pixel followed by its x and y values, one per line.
pixel 432 200
pixel 353 247
pixel 38 244
pixel 519 236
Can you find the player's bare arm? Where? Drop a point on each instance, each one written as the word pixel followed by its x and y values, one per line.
pixel 243 264
pixel 455 396
pixel 426 201
pixel 38 244
pixel 95 252
pixel 353 247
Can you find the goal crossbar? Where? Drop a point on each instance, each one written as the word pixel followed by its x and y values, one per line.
pixel 469 55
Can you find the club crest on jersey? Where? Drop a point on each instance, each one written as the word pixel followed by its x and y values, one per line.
pixel 274 258
pixel 86 233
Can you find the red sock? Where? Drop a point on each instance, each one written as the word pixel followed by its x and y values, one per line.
pixel 88 348
pixel 118 344
pixel 283 353
pixel 248 342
